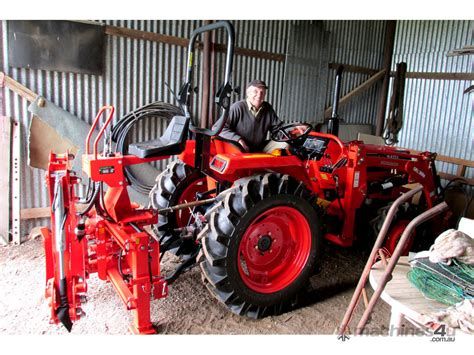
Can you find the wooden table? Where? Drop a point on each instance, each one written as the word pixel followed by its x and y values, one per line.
pixel 405 299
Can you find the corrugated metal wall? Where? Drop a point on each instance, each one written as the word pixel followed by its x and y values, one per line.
pixel 437 115
pixel 135 74
pixel 266 36
pixel 306 71
pixel 136 70
pixel 357 43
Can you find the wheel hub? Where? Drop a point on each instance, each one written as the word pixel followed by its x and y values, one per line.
pixel 264 243
pixel 274 249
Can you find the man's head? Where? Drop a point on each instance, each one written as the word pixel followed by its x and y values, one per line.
pixel 256 91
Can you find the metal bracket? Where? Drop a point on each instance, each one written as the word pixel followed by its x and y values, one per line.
pixel 16 180
pixel 5 146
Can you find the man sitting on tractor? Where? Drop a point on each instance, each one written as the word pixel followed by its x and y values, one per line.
pixel 251 119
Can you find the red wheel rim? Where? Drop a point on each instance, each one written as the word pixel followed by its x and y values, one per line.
pixel 394 236
pixel 274 249
pixel 189 195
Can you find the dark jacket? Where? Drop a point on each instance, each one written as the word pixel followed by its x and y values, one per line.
pixel 253 130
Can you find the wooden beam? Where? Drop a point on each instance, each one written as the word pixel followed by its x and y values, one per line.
pixel 144 35
pixel 5 145
pixel 43 212
pixel 353 68
pixel 466 50
pixel 15 86
pixel 184 42
pixel 447 176
pixel 461 170
pixel 357 91
pixel 462 164
pixel 439 76
pixel 32 213
pixel 446 159
pixel 252 53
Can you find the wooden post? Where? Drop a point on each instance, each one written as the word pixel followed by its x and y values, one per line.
pixel 387 64
pixel 5 144
pixel 206 76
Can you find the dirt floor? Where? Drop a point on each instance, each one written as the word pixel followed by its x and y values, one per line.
pixel 189 308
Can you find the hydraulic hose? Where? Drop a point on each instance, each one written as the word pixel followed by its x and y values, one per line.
pixel 152 111
pixel 91 201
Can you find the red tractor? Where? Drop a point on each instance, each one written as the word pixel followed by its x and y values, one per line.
pixel 254 222
pixel 261 235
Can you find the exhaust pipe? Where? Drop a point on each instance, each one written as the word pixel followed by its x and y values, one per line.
pixel 333 123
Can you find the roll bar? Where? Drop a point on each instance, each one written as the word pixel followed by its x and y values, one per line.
pixel 101 132
pixel 223 99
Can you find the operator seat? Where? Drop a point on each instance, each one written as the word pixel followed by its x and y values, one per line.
pixel 172 142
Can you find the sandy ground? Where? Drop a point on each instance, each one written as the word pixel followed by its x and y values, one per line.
pixel 189 308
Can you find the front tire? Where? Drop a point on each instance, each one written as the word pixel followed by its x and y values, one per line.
pixel 261 244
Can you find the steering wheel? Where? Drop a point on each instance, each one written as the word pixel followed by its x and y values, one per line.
pixel 291 134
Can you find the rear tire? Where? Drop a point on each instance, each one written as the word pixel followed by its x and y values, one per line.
pixel 261 244
pixel 175 185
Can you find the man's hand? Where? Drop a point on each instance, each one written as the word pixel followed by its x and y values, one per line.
pixel 298 130
pixel 244 145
